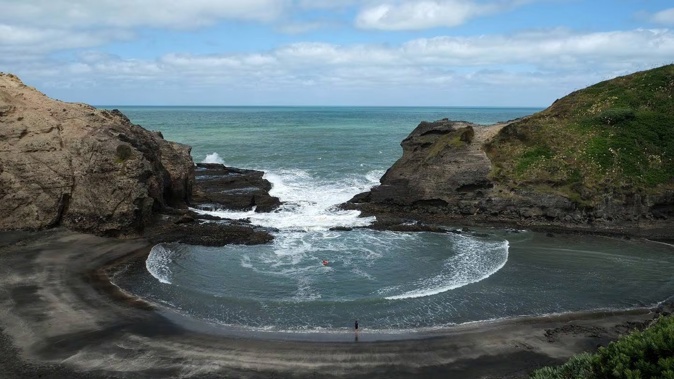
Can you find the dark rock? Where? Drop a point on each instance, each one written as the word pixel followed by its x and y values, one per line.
pixel 573 329
pixel 364 197
pixel 409 227
pixel 167 229
pixel 437 162
pixel 665 308
pixel 662 211
pixel 341 229
pixel 218 186
pixel 186 219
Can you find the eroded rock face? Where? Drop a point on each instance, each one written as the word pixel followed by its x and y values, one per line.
pixel 87 169
pixel 439 159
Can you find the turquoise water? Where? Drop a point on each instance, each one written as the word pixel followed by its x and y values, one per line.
pixel 317 158
pixel 328 142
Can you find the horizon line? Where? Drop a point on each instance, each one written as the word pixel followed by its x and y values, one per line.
pixel 319 106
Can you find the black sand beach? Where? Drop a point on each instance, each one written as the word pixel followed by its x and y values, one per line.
pixel 61 317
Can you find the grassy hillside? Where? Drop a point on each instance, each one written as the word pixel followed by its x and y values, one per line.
pixel 616 136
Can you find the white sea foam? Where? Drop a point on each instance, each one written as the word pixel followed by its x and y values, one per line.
pixel 158 263
pixel 245 261
pixel 661 243
pixel 213 158
pixel 309 204
pixel 476 261
pixel 305 290
pixel 374 176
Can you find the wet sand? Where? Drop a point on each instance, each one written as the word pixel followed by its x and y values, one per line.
pixel 61 317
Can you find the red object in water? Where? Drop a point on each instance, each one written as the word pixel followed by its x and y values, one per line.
pixel 325 263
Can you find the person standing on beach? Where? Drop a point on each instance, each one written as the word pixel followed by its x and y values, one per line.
pixel 355 326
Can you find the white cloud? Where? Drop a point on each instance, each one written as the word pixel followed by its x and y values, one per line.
pixel 333 4
pixel 544 50
pixel 425 14
pixel 21 40
pixel 77 14
pixel 665 17
pixel 547 48
pixel 33 28
pixel 541 65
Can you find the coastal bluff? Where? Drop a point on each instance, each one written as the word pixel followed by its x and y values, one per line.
pixel 90 170
pixel 600 160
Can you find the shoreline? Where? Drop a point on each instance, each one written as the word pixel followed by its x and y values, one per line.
pixel 56 316
pixel 367 335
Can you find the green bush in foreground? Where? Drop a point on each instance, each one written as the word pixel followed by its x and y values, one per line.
pixel 647 354
pixel 579 366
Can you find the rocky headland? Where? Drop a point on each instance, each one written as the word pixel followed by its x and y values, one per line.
pixel 600 160
pixel 94 171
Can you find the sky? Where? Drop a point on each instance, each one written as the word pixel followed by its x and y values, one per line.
pixel 329 52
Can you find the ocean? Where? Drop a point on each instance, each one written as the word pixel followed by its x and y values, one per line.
pixel 393 283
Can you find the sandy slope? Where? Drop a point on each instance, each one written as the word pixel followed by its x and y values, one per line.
pixel 60 317
pixel 486 133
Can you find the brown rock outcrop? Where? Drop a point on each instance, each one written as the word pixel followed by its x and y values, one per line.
pixel 83 168
pixel 439 160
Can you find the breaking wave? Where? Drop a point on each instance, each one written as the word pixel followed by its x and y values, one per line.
pixel 475 262
pixel 158 263
pixel 213 158
pixel 309 203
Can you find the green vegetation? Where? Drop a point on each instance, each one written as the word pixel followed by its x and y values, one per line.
pixel 616 136
pixel 579 366
pixel 615 116
pixel 531 157
pixel 647 354
pixel 124 152
pixel 456 139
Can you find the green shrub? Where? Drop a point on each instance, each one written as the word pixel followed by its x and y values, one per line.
pixel 616 116
pixel 579 366
pixel 647 354
pixel 123 153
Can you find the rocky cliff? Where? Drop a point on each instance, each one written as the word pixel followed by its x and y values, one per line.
pixel 86 169
pixel 599 160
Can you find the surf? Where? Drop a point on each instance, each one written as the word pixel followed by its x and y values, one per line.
pixel 308 203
